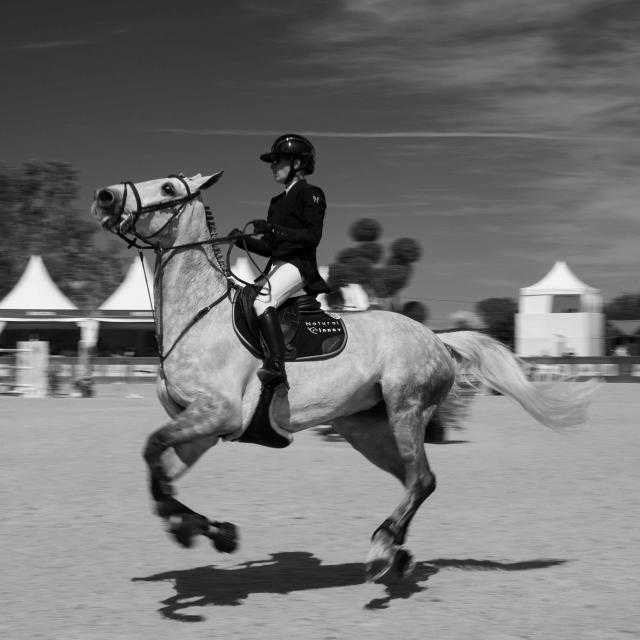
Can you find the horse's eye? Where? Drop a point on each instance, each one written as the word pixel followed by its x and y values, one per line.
pixel 167 188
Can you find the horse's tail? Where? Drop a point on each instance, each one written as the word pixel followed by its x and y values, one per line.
pixel 560 405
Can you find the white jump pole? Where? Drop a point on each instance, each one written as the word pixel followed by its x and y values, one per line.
pixel 32 364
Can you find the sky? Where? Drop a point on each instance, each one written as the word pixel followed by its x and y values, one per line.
pixel 503 135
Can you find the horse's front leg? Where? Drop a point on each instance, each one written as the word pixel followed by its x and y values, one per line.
pixel 172 450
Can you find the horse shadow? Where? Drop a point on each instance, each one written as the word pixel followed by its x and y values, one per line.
pixel 288 572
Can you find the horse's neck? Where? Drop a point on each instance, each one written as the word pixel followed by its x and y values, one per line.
pixel 189 280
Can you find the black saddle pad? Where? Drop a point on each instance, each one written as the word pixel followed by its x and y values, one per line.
pixel 309 332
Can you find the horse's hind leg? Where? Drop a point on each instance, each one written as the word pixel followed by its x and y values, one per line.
pixel 399 450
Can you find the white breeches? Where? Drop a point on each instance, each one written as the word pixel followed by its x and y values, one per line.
pixel 283 281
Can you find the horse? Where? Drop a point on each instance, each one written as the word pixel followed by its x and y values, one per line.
pixel 379 392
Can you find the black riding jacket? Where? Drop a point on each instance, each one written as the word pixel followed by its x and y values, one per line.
pixel 296 218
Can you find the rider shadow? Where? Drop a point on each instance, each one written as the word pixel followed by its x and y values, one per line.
pixel 288 572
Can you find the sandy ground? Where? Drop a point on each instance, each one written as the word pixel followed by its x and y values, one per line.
pixel 531 534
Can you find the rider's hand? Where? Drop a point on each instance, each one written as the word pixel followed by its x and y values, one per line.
pixel 278 232
pixel 261 227
pixel 234 234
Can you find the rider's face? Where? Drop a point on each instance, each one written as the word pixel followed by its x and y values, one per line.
pixel 281 169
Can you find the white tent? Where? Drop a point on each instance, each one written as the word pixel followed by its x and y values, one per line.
pixel 36 309
pixel 125 319
pixel 132 300
pixel 560 314
pixel 354 296
pixel 36 296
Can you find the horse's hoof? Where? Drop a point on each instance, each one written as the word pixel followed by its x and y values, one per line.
pixel 184 528
pixel 377 569
pixel 224 536
pixel 399 566
pixel 403 564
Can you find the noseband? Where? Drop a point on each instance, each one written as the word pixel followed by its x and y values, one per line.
pixel 130 219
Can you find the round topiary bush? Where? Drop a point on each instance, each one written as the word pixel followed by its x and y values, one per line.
pixel 348 255
pixel 416 311
pixel 339 276
pixel 371 251
pixel 405 250
pixel 395 277
pixel 360 271
pixel 365 230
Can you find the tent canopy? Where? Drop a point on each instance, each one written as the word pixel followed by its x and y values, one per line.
pixel 130 302
pixel 559 280
pixel 36 297
pixel 132 294
pixel 560 291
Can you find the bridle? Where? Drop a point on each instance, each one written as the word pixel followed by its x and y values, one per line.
pixel 128 224
pixel 127 228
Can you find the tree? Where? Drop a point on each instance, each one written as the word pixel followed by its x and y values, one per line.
pixel 364 264
pixel 498 315
pixel 624 307
pixel 37 218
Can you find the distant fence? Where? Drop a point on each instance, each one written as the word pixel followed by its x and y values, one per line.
pixel 541 369
pixel 609 369
pixel 112 369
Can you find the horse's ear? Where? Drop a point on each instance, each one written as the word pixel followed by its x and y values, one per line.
pixel 204 182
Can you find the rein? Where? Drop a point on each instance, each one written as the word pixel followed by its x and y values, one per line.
pixel 132 218
pixel 179 205
pixel 214 241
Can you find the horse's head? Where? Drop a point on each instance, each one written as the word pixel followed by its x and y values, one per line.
pixel 148 210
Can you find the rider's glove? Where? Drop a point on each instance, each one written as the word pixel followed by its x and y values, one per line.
pixel 262 227
pixel 278 232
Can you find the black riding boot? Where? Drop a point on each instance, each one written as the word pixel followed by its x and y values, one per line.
pixel 272 372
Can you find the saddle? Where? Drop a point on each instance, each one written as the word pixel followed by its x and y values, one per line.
pixel 309 332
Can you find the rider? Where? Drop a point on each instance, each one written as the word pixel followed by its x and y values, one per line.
pixel 289 237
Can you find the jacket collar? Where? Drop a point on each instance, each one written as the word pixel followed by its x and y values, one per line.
pixel 295 186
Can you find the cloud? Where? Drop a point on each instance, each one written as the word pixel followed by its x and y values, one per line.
pixel 52 44
pixel 561 66
pixel 368 134
pixel 215 132
pixel 65 44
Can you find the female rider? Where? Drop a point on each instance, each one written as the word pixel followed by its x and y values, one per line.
pixel 288 237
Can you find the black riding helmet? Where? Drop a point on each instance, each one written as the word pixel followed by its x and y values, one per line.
pixel 292 145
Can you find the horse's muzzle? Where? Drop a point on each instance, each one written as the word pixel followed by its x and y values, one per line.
pixel 105 203
pixel 105 199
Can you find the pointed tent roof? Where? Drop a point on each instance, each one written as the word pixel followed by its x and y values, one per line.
pixel 559 280
pixel 130 301
pixel 132 293
pixel 36 296
pixel 36 290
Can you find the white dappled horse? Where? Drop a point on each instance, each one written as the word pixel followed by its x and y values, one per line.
pixel 379 393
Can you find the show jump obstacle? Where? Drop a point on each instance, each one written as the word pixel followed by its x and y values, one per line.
pixel 23 370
